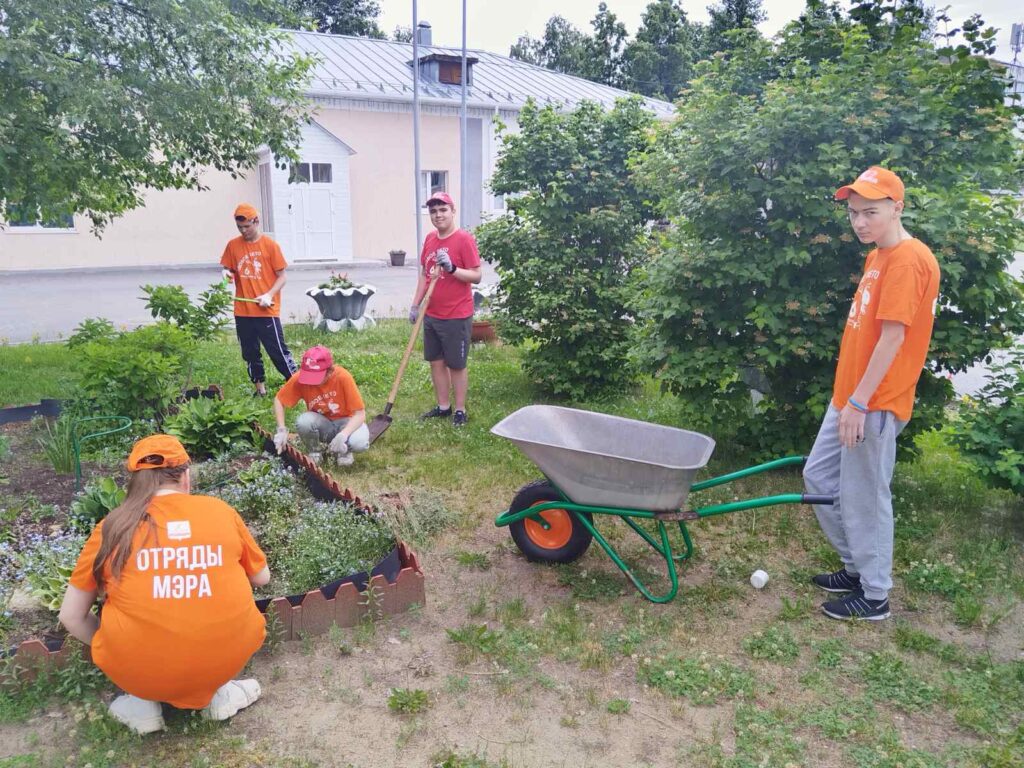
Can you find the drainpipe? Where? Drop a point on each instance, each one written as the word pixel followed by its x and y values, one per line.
pixel 416 126
pixel 463 176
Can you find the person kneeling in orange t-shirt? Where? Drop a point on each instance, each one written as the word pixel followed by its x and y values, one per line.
pixel 335 415
pixel 179 620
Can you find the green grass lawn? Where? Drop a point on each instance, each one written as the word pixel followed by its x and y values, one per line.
pixel 941 684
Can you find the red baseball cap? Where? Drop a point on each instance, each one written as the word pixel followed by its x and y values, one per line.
pixel 441 197
pixel 157 452
pixel 876 183
pixel 248 211
pixel 315 362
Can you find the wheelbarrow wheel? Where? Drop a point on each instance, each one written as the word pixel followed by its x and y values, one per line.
pixel 563 541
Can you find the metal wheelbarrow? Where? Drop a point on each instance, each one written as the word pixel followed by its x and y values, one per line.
pixel 596 464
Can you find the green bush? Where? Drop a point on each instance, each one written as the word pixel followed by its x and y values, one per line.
pixel 94 503
pixel 137 373
pixel 990 430
pixel 760 264
pixel 91 329
pixel 58 445
pixel 208 427
pixel 330 541
pixel 567 250
pixel 201 320
pixel 47 564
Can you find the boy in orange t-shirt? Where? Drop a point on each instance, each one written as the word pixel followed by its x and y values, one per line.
pixel 881 356
pixel 335 414
pixel 256 265
pixel 179 620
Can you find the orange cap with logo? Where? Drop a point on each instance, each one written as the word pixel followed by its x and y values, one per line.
pixel 876 183
pixel 157 452
pixel 246 210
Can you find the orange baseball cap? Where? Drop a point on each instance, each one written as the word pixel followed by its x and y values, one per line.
pixel 246 210
pixel 876 183
pixel 157 452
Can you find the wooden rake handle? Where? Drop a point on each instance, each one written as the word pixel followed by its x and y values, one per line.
pixel 412 343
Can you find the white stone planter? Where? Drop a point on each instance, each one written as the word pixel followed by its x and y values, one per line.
pixel 342 307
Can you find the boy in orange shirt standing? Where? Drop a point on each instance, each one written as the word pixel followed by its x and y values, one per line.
pixel 882 353
pixel 335 414
pixel 256 265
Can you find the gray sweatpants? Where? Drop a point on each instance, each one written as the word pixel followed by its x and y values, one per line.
pixel 316 430
pixel 859 524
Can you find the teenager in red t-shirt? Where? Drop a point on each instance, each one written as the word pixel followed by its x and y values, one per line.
pixel 256 265
pixel 449 319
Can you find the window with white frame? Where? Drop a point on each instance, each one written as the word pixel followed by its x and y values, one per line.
pixel 310 173
pixel 432 182
pixel 21 218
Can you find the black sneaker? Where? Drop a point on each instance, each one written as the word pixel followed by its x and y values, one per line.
pixel 840 581
pixel 459 419
pixel 437 413
pixel 856 606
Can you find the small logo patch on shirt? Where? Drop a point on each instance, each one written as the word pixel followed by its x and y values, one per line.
pixel 179 529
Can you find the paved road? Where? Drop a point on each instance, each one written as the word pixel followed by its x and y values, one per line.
pixel 43 306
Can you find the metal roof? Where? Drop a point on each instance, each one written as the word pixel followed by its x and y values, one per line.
pixel 364 68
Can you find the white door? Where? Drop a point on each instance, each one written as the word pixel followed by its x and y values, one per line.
pixel 312 212
pixel 319 206
pixel 297 209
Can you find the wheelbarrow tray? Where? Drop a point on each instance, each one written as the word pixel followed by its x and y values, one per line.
pixel 609 461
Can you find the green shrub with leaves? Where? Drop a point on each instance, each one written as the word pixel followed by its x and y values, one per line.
pixel 200 320
pixel 208 426
pixel 47 563
pixel 760 265
pixel 567 250
pixel 136 373
pixel 58 444
pixel 91 329
pixel 94 503
pixel 330 541
pixel 990 430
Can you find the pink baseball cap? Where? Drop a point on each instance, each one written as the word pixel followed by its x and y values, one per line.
pixel 441 197
pixel 315 362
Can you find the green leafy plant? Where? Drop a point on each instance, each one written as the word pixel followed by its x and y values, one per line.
pixel 5 447
pixel 567 250
pixel 208 426
pixel 408 701
pixel 341 281
pixel 773 644
pixel 199 320
pixel 990 428
pixel 47 563
pixel 58 445
pixel 701 679
pixel 94 503
pixel 329 541
pixel 137 373
pixel 618 706
pixel 759 264
pixel 91 329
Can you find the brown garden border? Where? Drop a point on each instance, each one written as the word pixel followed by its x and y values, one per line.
pixel 316 613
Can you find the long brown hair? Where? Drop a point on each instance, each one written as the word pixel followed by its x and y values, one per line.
pixel 120 525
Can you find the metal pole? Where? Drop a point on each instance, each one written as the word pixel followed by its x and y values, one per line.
pixel 463 175
pixel 416 125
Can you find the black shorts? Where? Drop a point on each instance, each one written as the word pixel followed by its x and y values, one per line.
pixel 448 339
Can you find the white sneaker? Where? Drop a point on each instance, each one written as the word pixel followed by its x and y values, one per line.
pixel 231 697
pixel 141 715
pixel 344 459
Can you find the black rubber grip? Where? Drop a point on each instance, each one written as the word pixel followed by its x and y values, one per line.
pixel 810 498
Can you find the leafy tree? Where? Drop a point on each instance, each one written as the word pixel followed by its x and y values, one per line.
pixel 104 98
pixel 341 17
pixel 659 61
pixel 568 247
pixel 727 16
pixel 758 271
pixel 402 34
pixel 562 48
pixel 603 63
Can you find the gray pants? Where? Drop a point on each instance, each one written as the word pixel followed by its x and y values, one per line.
pixel 859 525
pixel 316 430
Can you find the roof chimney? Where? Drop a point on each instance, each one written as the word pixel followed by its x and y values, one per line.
pixel 423 33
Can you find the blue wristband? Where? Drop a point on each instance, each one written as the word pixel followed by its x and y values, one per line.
pixel 856 405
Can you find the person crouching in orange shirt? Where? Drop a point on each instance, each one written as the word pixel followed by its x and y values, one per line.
pixel 335 415
pixel 178 620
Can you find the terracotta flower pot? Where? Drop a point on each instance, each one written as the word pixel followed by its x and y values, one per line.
pixel 483 330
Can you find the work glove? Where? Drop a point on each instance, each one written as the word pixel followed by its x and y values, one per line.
pixel 414 312
pixel 281 438
pixel 265 300
pixel 444 261
pixel 227 275
pixel 339 444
